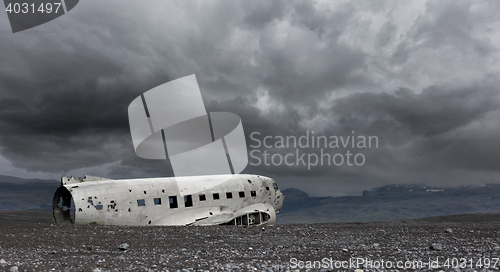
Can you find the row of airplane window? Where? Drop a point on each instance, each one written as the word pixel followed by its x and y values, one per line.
pixel 188 199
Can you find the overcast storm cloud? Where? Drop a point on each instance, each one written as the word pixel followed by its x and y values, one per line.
pixel 421 76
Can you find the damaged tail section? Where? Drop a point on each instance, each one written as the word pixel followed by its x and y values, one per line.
pixel 63 205
pixel 66 181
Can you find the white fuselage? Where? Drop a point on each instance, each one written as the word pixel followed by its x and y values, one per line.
pixel 168 201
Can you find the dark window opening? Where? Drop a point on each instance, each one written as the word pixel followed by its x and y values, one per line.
pixel 144 192
pixel 253 193
pixel 250 219
pixel 163 191
pixel 229 195
pixel 188 201
pixel 173 202
pixel 275 186
pixel 267 188
pixel 249 181
pixel 216 196
pixel 157 201
pixel 203 198
pixel 141 202
pixel 242 194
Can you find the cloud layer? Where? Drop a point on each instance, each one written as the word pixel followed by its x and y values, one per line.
pixel 421 76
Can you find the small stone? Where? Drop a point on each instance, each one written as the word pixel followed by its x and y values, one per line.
pixel 96 270
pixel 2 261
pixel 90 247
pixel 345 249
pixel 123 247
pixel 14 269
pixel 437 247
pixel 449 231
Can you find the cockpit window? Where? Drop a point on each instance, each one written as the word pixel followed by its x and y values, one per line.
pixel 275 186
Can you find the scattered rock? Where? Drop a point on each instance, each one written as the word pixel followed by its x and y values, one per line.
pixel 123 247
pixel 2 261
pixel 437 247
pixel 14 269
pixel 449 231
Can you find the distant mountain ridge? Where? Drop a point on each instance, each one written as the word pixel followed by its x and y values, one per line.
pixel 390 202
pixel 16 180
pixel 26 194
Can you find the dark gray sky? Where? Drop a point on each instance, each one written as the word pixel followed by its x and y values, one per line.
pixel 422 76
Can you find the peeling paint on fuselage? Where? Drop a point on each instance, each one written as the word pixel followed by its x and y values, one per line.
pixel 148 201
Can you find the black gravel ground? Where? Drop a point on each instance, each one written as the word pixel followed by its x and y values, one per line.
pixel 472 239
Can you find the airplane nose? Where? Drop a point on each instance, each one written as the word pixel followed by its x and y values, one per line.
pixel 281 199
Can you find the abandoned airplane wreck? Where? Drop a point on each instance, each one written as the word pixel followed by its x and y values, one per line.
pixel 196 200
